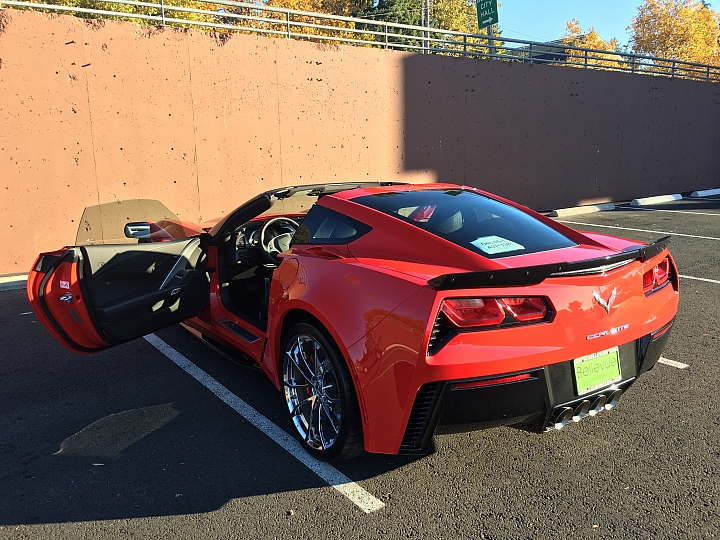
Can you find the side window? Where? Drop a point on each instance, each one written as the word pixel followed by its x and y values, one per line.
pixel 324 226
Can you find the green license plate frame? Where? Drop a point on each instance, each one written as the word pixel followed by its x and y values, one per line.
pixel 596 370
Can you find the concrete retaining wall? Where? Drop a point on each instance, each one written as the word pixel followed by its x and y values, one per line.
pixel 96 113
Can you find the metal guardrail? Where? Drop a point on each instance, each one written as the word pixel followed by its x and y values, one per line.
pixel 226 16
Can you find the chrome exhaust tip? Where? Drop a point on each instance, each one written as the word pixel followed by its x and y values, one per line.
pixel 562 418
pixel 612 399
pixel 581 411
pixel 598 405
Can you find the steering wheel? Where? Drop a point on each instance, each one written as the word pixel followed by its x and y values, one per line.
pixel 272 245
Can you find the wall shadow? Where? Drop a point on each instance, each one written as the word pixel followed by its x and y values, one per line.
pixel 550 136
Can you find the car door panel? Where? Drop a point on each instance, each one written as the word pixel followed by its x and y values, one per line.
pixel 55 294
pixel 99 296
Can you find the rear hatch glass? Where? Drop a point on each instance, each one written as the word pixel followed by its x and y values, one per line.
pixel 471 220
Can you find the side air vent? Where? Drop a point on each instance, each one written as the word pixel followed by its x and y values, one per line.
pixel 673 275
pixel 441 329
pixel 422 410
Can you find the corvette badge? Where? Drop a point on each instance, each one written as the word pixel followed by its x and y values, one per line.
pixel 610 332
pixel 606 305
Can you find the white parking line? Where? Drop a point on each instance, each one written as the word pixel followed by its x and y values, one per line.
pixel 638 230
pixel 364 500
pixel 672 363
pixel 700 279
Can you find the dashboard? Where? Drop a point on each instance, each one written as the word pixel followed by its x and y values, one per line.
pixel 249 242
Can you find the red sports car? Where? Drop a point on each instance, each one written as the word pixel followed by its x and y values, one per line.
pixel 382 311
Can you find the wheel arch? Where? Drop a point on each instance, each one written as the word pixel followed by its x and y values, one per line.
pixel 299 314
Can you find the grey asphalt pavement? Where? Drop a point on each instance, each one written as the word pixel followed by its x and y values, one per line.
pixel 126 444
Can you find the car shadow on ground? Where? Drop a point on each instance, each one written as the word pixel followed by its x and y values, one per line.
pixel 126 434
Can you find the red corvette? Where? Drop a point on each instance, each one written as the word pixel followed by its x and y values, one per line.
pixel 382 311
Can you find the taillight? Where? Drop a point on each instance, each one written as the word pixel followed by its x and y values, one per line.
pixel 526 309
pixel 458 314
pixel 657 276
pixel 474 312
pixel 649 280
pixel 469 312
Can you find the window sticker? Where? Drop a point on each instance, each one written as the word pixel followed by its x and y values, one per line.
pixel 495 244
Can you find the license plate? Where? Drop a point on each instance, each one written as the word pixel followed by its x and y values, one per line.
pixel 597 370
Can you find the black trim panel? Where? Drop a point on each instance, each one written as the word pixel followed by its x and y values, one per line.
pixel 528 402
pixel 239 330
pixel 651 346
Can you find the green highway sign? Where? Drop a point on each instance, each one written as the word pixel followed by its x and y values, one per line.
pixel 487 13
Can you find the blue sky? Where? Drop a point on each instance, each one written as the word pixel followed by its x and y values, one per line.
pixel 544 20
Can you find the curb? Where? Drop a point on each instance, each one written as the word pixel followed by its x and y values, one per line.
pixel 705 192
pixel 13 283
pixel 656 200
pixel 577 210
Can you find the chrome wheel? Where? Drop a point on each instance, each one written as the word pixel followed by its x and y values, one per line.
pixel 320 394
pixel 312 392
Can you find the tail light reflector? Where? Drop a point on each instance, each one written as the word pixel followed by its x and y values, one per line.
pixel 526 309
pixel 470 312
pixel 492 382
pixel 662 331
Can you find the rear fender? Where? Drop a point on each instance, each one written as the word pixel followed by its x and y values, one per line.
pixel 348 299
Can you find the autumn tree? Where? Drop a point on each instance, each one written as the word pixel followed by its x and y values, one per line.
pixel 589 39
pixel 206 10
pixel 679 29
pixel 198 12
pixel 346 8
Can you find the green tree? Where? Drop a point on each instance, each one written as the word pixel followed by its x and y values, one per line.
pixel 455 15
pixel 396 11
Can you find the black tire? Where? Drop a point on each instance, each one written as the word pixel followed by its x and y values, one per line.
pixel 320 394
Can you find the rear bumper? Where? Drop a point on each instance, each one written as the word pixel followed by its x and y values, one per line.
pixel 545 399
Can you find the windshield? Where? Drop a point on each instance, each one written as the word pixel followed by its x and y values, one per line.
pixel 105 223
pixel 483 225
pixel 287 201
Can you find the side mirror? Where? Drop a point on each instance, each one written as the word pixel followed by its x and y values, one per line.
pixel 138 229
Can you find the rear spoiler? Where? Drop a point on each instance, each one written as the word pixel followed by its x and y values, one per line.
pixel 532 275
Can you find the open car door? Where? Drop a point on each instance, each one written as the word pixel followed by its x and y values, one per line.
pixel 94 297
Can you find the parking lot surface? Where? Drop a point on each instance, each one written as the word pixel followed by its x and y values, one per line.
pixel 167 438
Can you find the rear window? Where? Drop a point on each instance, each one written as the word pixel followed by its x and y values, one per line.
pixel 468 219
